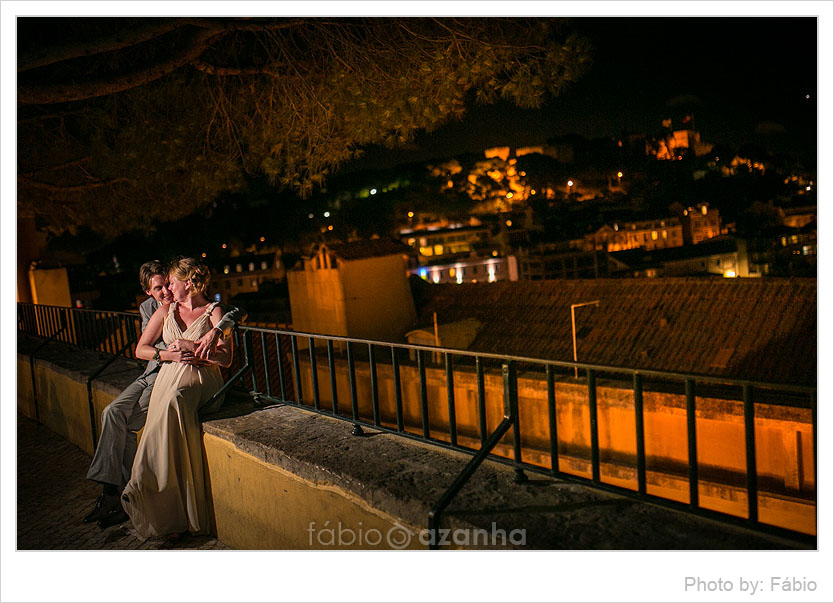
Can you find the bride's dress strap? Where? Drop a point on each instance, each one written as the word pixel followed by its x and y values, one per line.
pixel 211 307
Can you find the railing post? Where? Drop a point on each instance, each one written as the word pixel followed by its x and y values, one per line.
pixel 398 394
pixel 482 419
pixel 314 373
pixel 374 386
pixel 331 364
pixel 640 436
pixel 750 447
pixel 551 418
pixel 508 372
pixel 296 367
pixel 691 434
pixel 450 396
pixel 592 409
pixel 424 399
pixel 354 402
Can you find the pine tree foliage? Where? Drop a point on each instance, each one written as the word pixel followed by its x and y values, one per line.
pixel 122 122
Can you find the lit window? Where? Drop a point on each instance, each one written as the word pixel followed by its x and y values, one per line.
pixel 704 209
pixel 654 235
pixel 426 251
pixel 438 250
pixel 263 265
pixel 251 266
pixel 255 284
pixel 784 241
pixel 226 268
pixel 665 235
pixel 238 268
pixel 794 239
pixel 452 272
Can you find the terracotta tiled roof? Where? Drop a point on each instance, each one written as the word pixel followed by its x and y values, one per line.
pixel 759 329
pixel 371 248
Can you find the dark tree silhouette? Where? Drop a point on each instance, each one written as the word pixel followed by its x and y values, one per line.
pixel 125 121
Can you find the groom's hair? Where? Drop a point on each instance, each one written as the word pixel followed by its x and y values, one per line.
pixel 148 270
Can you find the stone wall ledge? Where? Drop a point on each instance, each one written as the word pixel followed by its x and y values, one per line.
pixel 404 478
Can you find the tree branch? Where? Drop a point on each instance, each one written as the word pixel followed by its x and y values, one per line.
pixel 77 188
pixel 120 39
pixel 60 166
pixel 232 71
pixel 35 94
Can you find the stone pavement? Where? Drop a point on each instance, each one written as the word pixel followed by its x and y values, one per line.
pixel 53 495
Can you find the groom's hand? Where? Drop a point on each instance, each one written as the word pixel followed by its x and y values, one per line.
pixel 205 346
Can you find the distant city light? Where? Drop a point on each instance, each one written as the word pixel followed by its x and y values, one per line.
pixel 423 273
pixel 373 191
pixel 509 195
pixel 224 245
pixel 570 182
pixel 262 239
pixel 203 254
pixel 532 191
pixel 509 223
pixel 327 214
pixel 310 216
pixel 807 96
pixel 807 188
pixel 495 254
pixel 411 214
pixel 729 273
pixel 330 227
pixel 619 174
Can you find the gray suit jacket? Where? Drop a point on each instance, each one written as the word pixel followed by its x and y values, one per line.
pixel 227 323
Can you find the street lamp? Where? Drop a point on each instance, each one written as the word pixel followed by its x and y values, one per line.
pixel 573 308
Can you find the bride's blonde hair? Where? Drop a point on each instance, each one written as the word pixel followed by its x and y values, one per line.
pixel 189 269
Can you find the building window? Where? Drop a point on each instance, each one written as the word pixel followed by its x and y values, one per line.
pixel 665 235
pixel 438 250
pixel 226 268
pixel 263 265
pixel 238 268
pixel 452 272
pixel 251 266
pixel 654 235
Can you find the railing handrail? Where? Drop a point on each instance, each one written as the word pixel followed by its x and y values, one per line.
pixel 600 368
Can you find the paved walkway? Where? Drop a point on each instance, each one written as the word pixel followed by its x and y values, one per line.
pixel 53 495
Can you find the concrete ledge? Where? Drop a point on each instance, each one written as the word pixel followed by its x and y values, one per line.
pixel 401 480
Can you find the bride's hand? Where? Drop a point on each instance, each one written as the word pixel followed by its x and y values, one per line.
pixel 184 356
pixel 181 345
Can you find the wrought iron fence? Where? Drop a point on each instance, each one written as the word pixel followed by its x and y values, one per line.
pixel 469 402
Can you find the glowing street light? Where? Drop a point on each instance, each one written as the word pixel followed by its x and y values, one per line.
pixel 570 186
pixel 619 177
pixel 573 308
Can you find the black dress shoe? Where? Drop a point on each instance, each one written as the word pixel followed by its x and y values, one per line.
pixel 112 518
pixel 104 505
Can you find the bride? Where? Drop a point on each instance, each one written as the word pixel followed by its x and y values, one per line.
pixel 166 494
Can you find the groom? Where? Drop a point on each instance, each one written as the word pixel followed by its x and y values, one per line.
pixel 126 414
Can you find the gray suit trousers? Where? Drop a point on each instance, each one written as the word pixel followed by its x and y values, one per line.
pixel 120 421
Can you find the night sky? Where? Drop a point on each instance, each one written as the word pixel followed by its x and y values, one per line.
pixel 745 79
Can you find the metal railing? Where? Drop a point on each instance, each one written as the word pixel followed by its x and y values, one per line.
pixel 320 373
